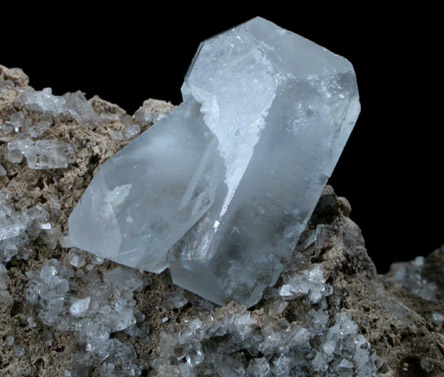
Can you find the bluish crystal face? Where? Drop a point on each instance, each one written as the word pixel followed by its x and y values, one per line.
pixel 220 189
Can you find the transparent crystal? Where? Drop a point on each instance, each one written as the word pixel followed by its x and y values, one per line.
pixel 49 154
pixel 150 193
pixel 123 279
pixel 80 307
pixel 311 283
pixel 127 133
pixel 76 258
pixel 44 102
pixel 409 276
pixel 15 149
pixel 41 154
pixel 93 312
pixel 175 300
pixel 229 179
pixel 39 128
pixel 16 123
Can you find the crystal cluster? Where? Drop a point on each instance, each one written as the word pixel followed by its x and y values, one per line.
pixel 75 323
pixel 94 312
pixel 319 339
pixel 24 130
pixel 324 343
pixel 41 154
pixel 226 183
pixel 17 228
pixel 36 117
pixel 73 105
pixel 309 283
pixel 409 276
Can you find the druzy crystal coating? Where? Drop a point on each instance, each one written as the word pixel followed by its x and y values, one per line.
pixel 220 189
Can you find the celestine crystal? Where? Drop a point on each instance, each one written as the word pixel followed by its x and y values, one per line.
pixel 220 189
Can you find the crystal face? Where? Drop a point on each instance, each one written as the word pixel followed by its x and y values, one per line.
pixel 220 189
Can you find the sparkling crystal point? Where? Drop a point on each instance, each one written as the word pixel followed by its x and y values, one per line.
pixel 226 182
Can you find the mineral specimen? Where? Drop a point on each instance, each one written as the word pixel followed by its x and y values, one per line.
pixel 319 345
pixel 226 183
pixel 93 314
pixel 73 105
pixel 18 228
pixel 409 276
pixel 329 315
pixel 42 154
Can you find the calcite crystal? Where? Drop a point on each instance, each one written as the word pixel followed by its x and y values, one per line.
pixel 220 189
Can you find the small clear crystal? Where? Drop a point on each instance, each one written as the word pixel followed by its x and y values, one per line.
pixel 49 154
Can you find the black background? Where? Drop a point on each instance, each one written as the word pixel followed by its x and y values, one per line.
pixel 391 168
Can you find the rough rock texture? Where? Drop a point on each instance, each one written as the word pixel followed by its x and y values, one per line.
pixel 404 327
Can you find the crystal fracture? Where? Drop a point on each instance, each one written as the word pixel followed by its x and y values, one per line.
pixel 220 189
